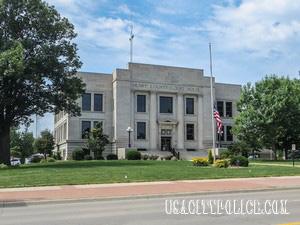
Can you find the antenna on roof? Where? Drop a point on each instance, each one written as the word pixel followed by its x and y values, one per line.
pixel 131 37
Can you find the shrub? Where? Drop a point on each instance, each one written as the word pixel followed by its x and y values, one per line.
pixel 200 161
pixel 50 159
pixel 14 166
pixel 112 157
pixel 210 157
pixel 225 155
pixel 57 155
pixel 133 155
pixel 99 157
pixel 36 158
pixel 168 157
pixel 239 161
pixel 78 154
pixel 145 157
pixel 88 157
pixel 43 161
pixel 153 157
pixel 3 166
pixel 220 163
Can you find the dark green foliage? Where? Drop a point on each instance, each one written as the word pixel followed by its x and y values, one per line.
pixel 168 157
pixel 112 157
pixel 97 140
pixel 88 157
pixel 225 155
pixel 78 154
pixel 145 157
pixel 210 157
pixel 133 155
pixel 38 61
pixel 45 143
pixel 57 155
pixel 239 161
pixel 99 157
pixel 36 159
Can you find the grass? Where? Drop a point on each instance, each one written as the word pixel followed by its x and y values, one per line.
pixel 97 172
pixel 286 162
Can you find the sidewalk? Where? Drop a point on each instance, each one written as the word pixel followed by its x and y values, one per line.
pixel 134 190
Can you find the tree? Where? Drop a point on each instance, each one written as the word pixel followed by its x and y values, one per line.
pixel 21 144
pixel 269 113
pixel 97 140
pixel 38 63
pixel 45 143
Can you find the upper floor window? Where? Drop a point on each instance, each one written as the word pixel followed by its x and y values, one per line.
pixel 86 102
pixel 228 109
pixel 141 130
pixel 141 103
pixel 229 136
pixel 189 106
pixel 166 105
pixel 85 128
pixel 220 106
pixel 98 102
pixel 190 132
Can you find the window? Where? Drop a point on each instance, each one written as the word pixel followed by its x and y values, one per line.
pixel 86 127
pixel 189 105
pixel 65 131
pixel 96 122
pixel 141 130
pixel 98 102
pixel 166 105
pixel 228 109
pixel 141 103
pixel 190 131
pixel 86 102
pixel 229 136
pixel 220 107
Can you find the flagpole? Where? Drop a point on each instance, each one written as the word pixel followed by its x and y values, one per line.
pixel 212 104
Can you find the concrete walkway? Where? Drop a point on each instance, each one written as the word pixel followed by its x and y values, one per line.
pixel 134 190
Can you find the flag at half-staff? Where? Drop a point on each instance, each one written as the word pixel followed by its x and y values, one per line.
pixel 218 119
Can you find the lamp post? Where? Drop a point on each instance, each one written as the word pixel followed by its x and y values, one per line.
pixel 129 130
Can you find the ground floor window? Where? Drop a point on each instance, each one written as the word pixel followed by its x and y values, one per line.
pixel 85 127
pixel 141 130
pixel 190 130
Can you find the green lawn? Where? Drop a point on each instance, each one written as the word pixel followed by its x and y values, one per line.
pixel 97 172
pixel 289 162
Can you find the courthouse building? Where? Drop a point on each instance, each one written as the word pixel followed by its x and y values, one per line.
pixel 167 107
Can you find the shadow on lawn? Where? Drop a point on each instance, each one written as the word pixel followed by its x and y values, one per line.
pixel 85 164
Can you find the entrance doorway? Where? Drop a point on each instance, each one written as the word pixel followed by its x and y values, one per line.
pixel 166 143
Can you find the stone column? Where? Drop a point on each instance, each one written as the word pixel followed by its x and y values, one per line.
pixel 180 119
pixel 153 121
pixel 200 122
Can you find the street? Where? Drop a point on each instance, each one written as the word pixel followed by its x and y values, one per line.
pixel 146 211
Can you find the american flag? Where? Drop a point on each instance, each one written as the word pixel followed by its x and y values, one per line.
pixel 218 119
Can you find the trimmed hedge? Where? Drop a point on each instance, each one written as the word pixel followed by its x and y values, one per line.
pixel 133 155
pixel 239 161
pixel 112 157
pixel 99 157
pixel 78 154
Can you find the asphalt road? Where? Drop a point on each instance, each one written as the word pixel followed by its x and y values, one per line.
pixel 151 211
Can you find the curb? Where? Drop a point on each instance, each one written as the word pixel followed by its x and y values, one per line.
pixel 133 197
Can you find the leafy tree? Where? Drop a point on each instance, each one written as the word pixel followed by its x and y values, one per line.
pixel 38 61
pixel 269 113
pixel 21 144
pixel 45 143
pixel 97 140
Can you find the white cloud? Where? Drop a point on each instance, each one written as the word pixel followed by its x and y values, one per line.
pixel 261 27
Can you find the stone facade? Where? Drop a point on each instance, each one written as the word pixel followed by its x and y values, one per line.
pixel 189 132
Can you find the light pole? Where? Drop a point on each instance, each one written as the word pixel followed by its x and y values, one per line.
pixel 129 130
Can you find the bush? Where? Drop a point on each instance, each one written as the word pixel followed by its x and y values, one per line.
pixel 200 161
pixel 3 166
pixel 50 159
pixel 57 155
pixel 145 157
pixel 99 157
pixel 133 155
pixel 43 161
pixel 210 157
pixel 168 157
pixel 112 157
pixel 78 154
pixel 153 157
pixel 88 157
pixel 225 155
pixel 221 163
pixel 239 161
pixel 36 158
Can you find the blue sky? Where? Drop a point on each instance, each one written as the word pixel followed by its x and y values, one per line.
pixel 250 38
